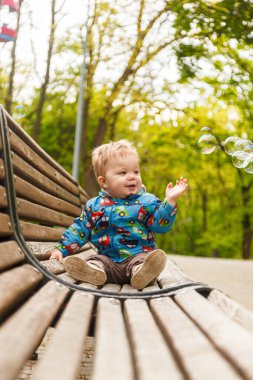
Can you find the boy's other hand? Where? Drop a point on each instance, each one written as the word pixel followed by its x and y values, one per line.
pixel 173 192
pixel 56 254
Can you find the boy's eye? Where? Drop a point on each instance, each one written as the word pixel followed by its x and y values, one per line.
pixel 122 172
pixel 137 172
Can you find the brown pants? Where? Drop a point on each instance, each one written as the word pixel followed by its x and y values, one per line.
pixel 119 273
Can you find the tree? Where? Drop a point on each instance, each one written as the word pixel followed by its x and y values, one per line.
pixel 9 94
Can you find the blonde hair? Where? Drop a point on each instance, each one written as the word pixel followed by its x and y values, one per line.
pixel 103 153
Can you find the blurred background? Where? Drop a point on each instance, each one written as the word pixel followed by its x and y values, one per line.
pixel 173 77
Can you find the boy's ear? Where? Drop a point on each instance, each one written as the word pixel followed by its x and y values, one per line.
pixel 101 181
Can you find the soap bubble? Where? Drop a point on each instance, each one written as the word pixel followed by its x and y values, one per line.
pixel 229 145
pixel 249 167
pixel 205 129
pixel 249 148
pixel 241 144
pixel 207 143
pixel 240 159
pixel 19 112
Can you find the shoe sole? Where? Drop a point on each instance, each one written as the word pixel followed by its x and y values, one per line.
pixel 80 270
pixel 152 266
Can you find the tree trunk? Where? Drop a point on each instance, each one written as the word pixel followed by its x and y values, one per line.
pixel 246 223
pixel 204 209
pixel 37 125
pixel 9 95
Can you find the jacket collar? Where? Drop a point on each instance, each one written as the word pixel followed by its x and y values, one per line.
pixel 104 194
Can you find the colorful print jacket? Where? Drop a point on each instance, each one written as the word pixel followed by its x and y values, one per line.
pixel 119 228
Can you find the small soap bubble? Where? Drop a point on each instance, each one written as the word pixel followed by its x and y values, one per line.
pixel 229 145
pixel 19 112
pixel 207 143
pixel 249 167
pixel 206 129
pixel 240 159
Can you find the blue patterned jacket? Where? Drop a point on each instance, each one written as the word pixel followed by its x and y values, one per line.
pixel 119 228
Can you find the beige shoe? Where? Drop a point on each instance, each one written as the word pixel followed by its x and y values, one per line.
pixel 147 272
pixel 81 270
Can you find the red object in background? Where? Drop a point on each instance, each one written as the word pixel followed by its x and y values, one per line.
pixel 13 7
pixel 7 34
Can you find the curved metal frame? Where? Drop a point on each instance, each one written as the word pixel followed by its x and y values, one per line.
pixel 30 258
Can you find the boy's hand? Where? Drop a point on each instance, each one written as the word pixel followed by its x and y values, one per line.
pixel 56 254
pixel 173 192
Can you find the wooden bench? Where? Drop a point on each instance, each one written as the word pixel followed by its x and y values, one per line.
pixel 175 329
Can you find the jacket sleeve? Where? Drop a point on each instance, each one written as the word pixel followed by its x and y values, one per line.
pixel 76 235
pixel 162 216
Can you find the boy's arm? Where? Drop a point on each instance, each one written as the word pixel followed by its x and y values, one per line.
pixel 73 238
pixel 162 218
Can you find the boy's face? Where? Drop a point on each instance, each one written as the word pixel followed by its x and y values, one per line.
pixel 122 176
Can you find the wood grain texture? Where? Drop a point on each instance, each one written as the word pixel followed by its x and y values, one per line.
pixel 232 340
pixel 152 356
pixel 30 192
pixel 16 284
pixel 232 309
pixel 33 212
pixel 23 332
pixel 64 353
pixel 32 175
pixel 36 232
pixel 28 154
pixel 112 358
pixel 10 254
pixel 197 356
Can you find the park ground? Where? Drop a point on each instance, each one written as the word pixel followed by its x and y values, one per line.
pixel 233 277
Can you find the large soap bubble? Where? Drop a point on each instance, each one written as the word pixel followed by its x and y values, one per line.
pixel 241 144
pixel 207 143
pixel 249 167
pixel 240 159
pixel 229 145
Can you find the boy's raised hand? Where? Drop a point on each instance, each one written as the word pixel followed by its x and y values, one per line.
pixel 173 192
pixel 56 254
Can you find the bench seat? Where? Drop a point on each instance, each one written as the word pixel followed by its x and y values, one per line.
pixel 176 328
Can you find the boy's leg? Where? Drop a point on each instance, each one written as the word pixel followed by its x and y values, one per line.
pixel 92 271
pixel 145 273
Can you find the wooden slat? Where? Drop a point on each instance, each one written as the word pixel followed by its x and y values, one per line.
pixel 127 288
pixel 5 225
pixel 66 277
pixel 13 125
pixel 152 356
pixel 24 151
pixel 3 197
pixel 111 287
pixel 15 284
pixel 53 266
pixel 28 191
pixel 195 353
pixel 172 275
pixel 10 254
pixel 112 357
pixel 26 171
pixel 235 342
pixel 36 232
pixel 23 332
pixel 232 309
pixel 64 353
pixel 2 171
pixel 40 249
pixel 42 214
pixel 151 288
